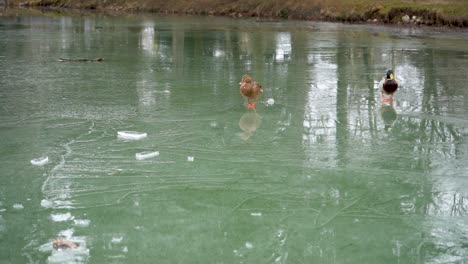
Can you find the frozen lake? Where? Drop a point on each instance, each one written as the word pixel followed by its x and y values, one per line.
pixel 151 156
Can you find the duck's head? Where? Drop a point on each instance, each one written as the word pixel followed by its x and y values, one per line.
pixel 390 74
pixel 246 79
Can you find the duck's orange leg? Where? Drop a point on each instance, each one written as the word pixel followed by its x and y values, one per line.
pixel 387 99
pixel 252 105
pixel 249 104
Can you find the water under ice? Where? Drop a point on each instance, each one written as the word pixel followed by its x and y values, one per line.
pixel 40 161
pixel 146 155
pixel 131 135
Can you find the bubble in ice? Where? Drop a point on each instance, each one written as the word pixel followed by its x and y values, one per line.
pixel 18 206
pixel 125 249
pixel 270 102
pixel 131 135
pixel 256 214
pixel 61 217
pixel 248 245
pixel 190 158
pixel 146 155
pixel 40 161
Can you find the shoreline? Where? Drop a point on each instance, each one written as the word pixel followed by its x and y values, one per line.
pixel 272 11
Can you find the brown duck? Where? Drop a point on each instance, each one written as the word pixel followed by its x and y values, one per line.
pixel 251 90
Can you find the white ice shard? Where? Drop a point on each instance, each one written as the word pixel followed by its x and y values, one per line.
pixel 61 217
pixel 67 233
pixel 146 155
pixel 18 206
pixel 81 222
pixel 46 203
pixel 40 161
pixel 117 239
pixel 131 135
pixel 270 102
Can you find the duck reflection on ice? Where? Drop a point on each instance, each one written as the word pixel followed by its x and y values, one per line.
pixel 249 122
pixel 389 116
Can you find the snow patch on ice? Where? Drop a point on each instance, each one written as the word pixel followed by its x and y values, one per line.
pixel 131 135
pixel 40 161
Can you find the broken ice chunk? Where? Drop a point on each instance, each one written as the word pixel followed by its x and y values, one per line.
pixel 146 155
pixel 18 206
pixel 46 203
pixel 131 135
pixel 81 222
pixel 249 245
pixel 270 102
pixel 40 161
pixel 61 217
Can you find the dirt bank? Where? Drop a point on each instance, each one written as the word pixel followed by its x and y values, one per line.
pixel 418 12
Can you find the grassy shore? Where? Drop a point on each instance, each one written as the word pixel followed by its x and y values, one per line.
pixel 421 12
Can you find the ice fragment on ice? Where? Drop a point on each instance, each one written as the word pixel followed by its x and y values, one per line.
pixel 61 217
pixel 270 101
pixel 68 233
pixel 146 155
pixel 131 135
pixel 81 222
pixel 248 245
pixel 46 203
pixel 40 161
pixel 18 206
pixel 116 240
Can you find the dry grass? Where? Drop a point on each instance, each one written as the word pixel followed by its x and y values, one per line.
pixel 431 12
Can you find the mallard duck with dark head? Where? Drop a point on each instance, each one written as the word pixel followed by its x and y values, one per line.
pixel 388 86
pixel 251 90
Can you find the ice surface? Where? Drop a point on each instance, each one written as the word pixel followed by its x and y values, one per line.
pixel 146 155
pixel 61 217
pixel 18 206
pixel 131 135
pixel 40 161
